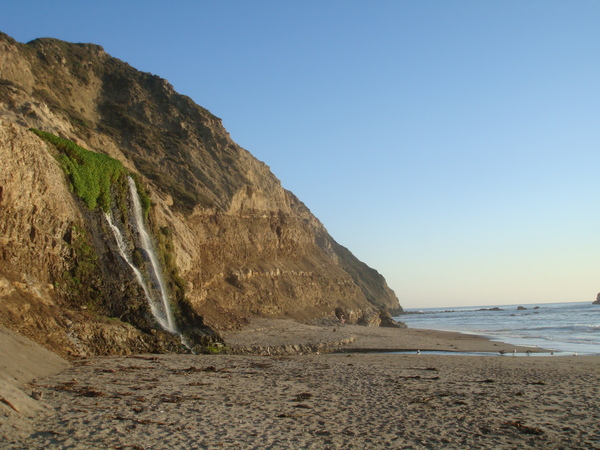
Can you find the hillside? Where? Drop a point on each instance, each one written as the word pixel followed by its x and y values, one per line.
pixel 232 242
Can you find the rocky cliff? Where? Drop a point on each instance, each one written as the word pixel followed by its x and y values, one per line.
pixel 232 241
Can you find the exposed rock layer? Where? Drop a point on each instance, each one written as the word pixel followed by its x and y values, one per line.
pixel 235 243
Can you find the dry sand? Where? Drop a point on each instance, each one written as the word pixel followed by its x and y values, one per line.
pixel 345 401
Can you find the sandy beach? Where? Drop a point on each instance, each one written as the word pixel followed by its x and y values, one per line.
pixel 317 400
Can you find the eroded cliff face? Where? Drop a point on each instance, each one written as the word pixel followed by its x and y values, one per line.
pixel 234 242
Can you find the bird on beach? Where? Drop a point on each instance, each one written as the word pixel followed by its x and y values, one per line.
pixel 418 352
pixel 514 352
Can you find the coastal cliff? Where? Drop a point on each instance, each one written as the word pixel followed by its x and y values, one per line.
pixel 232 242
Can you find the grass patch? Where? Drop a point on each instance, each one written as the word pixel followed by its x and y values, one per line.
pixel 213 349
pixel 91 174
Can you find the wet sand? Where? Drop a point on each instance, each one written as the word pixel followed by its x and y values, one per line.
pixel 268 336
pixel 326 400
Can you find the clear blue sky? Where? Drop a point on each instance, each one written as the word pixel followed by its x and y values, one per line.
pixel 451 145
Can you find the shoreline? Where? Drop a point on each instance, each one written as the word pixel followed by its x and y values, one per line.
pixel 565 327
pixel 316 400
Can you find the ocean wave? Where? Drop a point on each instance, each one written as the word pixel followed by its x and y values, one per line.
pixel 564 327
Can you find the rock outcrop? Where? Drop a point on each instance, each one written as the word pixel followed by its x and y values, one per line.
pixel 234 243
pixel 597 301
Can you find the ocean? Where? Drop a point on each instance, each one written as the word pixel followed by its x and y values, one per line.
pixel 565 328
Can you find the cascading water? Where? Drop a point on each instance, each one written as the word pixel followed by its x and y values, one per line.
pixel 156 295
pixel 156 312
pixel 148 248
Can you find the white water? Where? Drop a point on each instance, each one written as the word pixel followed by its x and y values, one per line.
pixel 166 314
pixel 138 275
pixel 566 328
pixel 160 307
pixel 157 297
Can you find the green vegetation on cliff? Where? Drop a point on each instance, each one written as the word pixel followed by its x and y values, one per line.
pixel 91 174
pixel 80 281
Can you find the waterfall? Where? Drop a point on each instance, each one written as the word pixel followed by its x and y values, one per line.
pixel 155 291
pixel 147 246
pixel 160 317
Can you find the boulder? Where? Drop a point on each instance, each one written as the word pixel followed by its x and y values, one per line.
pixel 388 321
